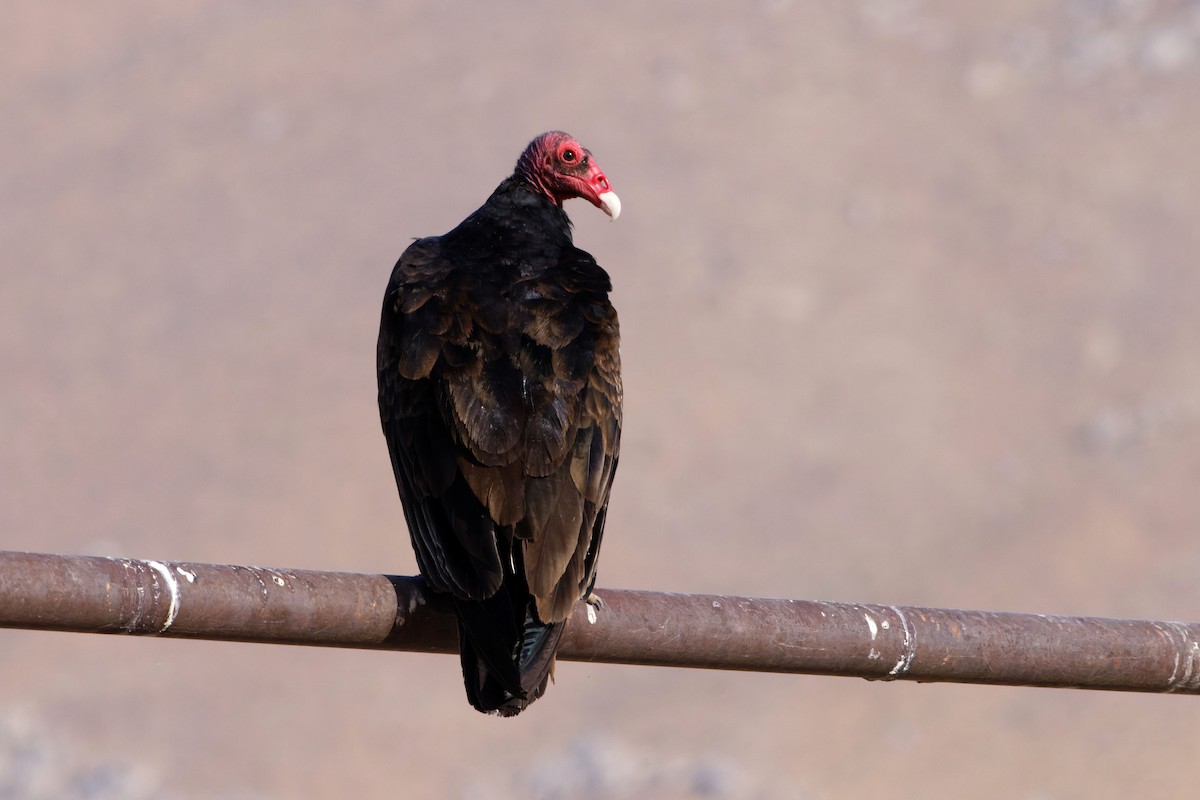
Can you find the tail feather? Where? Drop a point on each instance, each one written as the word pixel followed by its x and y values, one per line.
pixel 487 631
pixel 505 668
pixel 538 648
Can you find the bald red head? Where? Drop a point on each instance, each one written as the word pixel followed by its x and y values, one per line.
pixel 557 165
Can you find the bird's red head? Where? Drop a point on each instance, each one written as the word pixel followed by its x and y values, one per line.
pixel 558 165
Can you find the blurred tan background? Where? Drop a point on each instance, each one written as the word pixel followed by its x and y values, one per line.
pixel 911 314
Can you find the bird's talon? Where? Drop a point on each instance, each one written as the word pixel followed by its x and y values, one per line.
pixel 594 603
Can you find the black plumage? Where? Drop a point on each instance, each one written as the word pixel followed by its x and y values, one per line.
pixel 500 398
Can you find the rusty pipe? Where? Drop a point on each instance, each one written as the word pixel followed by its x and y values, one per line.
pixel 335 609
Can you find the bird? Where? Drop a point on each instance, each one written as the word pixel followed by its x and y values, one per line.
pixel 500 397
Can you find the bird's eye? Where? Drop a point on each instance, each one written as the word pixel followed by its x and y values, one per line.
pixel 569 156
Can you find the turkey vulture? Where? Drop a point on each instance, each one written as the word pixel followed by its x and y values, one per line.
pixel 500 397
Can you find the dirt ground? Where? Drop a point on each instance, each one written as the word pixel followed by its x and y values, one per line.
pixel 911 314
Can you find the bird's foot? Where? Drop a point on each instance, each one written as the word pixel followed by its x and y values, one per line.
pixel 594 603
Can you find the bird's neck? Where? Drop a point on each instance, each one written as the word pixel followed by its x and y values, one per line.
pixel 518 207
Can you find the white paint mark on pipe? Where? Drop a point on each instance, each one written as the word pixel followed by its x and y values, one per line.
pixel 1186 672
pixel 910 649
pixel 172 587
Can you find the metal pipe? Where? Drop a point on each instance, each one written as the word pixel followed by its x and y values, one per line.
pixel 336 609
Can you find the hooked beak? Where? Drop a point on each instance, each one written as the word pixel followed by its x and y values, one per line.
pixel 598 191
pixel 610 204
